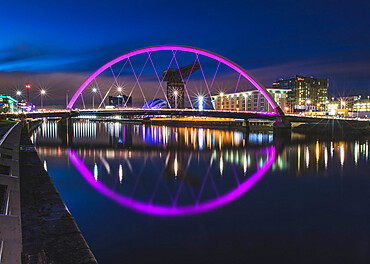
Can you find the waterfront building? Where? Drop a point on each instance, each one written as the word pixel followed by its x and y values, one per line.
pixel 250 100
pixel 7 104
pixel 306 93
pixel 332 107
pixel 337 108
pixel 120 101
pixel 345 102
pixel 362 106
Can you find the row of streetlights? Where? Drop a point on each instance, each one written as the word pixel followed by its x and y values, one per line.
pixel 200 101
pixel 95 90
pixel 119 89
pixel 42 93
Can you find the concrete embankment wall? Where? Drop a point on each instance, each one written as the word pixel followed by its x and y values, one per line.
pixel 190 123
pixel 49 232
pixel 334 128
pixel 10 211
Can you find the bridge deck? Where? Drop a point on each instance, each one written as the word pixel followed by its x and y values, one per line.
pixel 148 112
pixel 132 112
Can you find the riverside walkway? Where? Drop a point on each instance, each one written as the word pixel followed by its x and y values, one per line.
pixel 35 224
pixel 10 210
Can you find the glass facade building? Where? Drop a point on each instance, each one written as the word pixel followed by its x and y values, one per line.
pixel 306 93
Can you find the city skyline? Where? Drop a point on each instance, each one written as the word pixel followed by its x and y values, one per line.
pixel 57 46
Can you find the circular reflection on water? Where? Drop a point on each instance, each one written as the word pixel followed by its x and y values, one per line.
pixel 163 171
pixel 177 204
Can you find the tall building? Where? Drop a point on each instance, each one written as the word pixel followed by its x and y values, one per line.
pixel 307 93
pixel 249 101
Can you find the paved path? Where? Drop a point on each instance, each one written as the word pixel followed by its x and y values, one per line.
pixel 10 214
pixel 49 232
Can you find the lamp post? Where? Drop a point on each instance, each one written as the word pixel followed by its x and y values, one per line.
pixel 67 93
pixel 175 93
pixel 19 93
pixel 28 87
pixel 342 104
pixel 119 89
pixel 200 103
pixel 43 92
pixel 94 90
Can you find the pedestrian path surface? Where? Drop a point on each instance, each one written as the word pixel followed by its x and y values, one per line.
pixel 49 232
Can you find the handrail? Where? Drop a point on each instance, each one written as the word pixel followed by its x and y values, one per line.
pixel 7 133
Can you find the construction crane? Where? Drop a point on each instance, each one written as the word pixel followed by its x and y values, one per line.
pixel 176 82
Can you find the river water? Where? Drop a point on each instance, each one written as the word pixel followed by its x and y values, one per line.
pixel 158 194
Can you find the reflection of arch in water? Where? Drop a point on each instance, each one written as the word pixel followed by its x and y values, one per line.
pixel 161 210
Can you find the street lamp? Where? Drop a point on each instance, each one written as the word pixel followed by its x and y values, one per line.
pixel 19 93
pixel 28 87
pixel 43 92
pixel 120 98
pixel 94 90
pixel 175 93
pixel 200 103
pixel 342 104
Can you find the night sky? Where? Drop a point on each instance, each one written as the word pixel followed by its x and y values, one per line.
pixel 58 44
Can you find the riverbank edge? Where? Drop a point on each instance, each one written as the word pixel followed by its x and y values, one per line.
pixel 334 129
pixel 49 232
pixel 189 123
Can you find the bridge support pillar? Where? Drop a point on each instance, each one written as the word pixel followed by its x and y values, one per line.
pixel 65 130
pixel 246 125
pixel 282 127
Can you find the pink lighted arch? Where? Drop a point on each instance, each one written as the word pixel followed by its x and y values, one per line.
pixel 205 53
pixel 172 211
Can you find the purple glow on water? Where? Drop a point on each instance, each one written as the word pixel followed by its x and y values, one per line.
pixel 173 211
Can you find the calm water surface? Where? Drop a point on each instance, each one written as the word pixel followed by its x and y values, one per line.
pixel 157 194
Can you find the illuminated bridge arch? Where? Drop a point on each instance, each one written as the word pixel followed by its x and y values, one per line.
pixel 174 49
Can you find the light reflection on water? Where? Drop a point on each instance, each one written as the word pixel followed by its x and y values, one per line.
pixel 171 200
pixel 180 169
pixel 313 186
pixel 129 134
pixel 231 146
